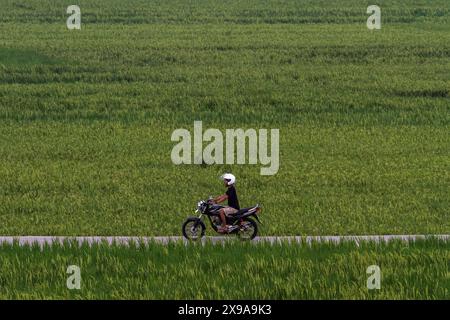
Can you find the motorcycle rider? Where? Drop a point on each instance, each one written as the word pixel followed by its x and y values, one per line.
pixel 233 202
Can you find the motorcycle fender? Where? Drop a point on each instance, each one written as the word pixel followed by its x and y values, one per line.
pixel 196 219
pixel 257 219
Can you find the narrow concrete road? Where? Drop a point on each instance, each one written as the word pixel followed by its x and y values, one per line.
pixel 42 240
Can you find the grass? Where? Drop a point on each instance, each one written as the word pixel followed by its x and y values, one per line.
pixel 86 116
pixel 22 58
pixel 417 270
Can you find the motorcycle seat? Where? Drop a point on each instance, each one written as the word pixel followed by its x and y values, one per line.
pixel 245 210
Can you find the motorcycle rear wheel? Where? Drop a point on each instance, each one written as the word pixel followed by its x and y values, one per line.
pixel 250 230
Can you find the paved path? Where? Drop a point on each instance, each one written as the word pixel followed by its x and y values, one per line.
pixel 42 240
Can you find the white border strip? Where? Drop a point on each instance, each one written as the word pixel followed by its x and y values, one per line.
pixel 48 240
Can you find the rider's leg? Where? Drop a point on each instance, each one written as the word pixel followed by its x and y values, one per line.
pixel 225 212
pixel 223 218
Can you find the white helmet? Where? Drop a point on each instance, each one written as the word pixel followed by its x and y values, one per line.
pixel 231 178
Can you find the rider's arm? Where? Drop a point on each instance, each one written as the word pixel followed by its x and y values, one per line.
pixel 220 199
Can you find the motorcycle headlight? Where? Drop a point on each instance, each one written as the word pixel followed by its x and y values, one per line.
pixel 201 206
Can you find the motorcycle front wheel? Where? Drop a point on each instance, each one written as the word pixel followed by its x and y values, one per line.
pixel 193 229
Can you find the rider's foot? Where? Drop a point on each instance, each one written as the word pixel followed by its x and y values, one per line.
pixel 222 229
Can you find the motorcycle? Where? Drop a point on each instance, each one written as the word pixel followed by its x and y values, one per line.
pixel 240 223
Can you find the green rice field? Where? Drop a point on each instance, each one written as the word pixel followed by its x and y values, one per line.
pixel 86 118
pixel 236 270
